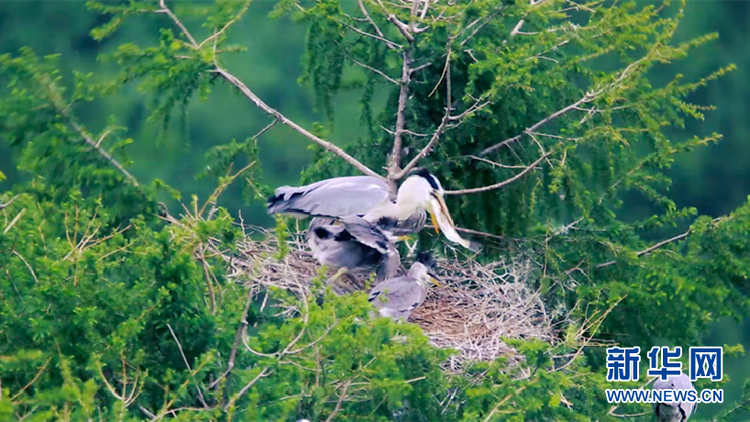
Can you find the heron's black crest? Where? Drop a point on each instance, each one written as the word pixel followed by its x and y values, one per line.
pixel 426 259
pixel 425 174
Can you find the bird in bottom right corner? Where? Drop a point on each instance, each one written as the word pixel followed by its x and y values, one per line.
pixel 674 411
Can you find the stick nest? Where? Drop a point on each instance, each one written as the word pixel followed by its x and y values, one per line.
pixel 474 309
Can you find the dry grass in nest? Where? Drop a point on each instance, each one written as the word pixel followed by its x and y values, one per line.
pixel 475 306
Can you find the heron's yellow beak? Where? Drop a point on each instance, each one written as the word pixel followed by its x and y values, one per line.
pixel 444 208
pixel 403 238
pixel 434 281
pixel 435 224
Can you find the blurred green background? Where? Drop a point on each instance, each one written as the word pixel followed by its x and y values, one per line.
pixel 715 179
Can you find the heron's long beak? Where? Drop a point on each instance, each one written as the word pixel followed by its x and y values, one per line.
pixel 435 281
pixel 444 208
pixel 435 224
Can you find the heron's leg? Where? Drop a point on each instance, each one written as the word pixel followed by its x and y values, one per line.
pixel 338 275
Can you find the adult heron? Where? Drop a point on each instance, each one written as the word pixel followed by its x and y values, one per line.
pixel 674 411
pixel 369 197
pixel 356 247
pixel 396 298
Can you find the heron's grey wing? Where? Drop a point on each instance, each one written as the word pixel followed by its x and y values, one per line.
pixel 414 224
pixel 337 197
pixel 683 382
pixel 365 233
pixel 389 266
pixel 401 294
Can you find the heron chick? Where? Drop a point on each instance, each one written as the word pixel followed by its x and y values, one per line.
pixel 357 247
pixel 674 411
pixel 369 197
pixel 396 298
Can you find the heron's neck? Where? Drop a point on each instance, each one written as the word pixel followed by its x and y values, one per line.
pixel 400 210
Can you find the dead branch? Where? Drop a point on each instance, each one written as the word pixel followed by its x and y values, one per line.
pixel 531 166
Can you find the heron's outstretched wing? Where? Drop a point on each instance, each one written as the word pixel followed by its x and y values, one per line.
pixel 364 232
pixel 337 197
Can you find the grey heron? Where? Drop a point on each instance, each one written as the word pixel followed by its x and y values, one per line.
pixel 674 411
pixel 396 298
pixel 369 197
pixel 357 247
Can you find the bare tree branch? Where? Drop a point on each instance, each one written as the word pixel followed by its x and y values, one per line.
pixel 531 166
pixel 342 397
pixel 650 249
pixel 394 166
pixel 390 44
pixel 370 68
pixel 283 119
pixel 404 28
pixel 586 98
pixel 89 141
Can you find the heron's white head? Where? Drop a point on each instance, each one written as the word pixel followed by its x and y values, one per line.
pixel 422 190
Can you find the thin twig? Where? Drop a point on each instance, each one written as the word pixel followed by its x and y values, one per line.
pixel 263 373
pixel 237 17
pixel 165 9
pixel 531 166
pixel 89 141
pixel 237 338
pixel 379 72
pixel 7 204
pixel 650 249
pixel 31 270
pixel 184 359
pixel 392 45
pixel 33 380
pixel 586 98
